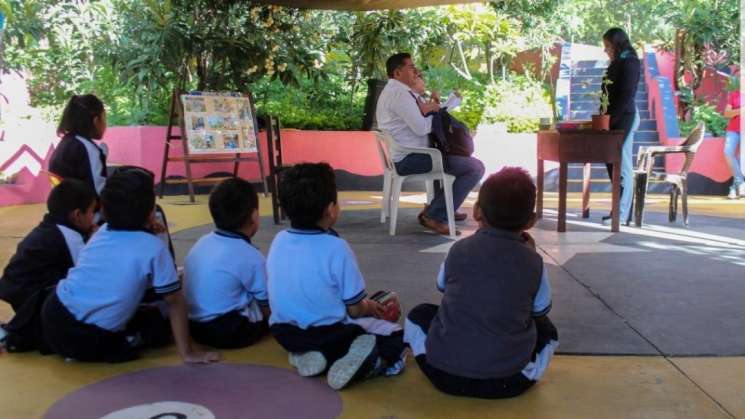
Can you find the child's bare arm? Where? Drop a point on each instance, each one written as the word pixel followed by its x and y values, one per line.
pixel 180 326
pixel 366 308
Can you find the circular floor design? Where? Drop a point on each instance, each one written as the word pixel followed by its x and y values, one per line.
pixel 201 392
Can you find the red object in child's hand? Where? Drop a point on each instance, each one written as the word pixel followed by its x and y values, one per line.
pixel 392 307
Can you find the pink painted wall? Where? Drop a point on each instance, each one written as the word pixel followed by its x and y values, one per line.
pixel 713 88
pixel 709 160
pixel 27 188
pixel 352 151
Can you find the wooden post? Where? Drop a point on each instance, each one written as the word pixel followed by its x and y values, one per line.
pixel 586 176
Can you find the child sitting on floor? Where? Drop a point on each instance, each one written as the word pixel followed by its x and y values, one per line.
pixel 490 337
pixel 77 156
pixel 320 313
pixel 95 312
pixel 225 275
pixel 43 257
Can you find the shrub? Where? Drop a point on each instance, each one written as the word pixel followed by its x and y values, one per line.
pixel 715 122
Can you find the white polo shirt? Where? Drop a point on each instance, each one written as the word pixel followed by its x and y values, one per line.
pixel 398 114
pixel 313 277
pixel 223 272
pixel 112 274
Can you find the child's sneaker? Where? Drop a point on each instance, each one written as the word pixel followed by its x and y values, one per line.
pixel 361 359
pixel 732 193
pixel 308 364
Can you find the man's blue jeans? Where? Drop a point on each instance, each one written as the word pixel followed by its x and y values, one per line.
pixel 467 171
pixel 731 141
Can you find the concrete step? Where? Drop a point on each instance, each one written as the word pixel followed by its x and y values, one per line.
pixel 579 87
pixel 586 105
pixel 583 96
pixel 590 64
pixel 587 114
pixel 648 125
pixel 651 136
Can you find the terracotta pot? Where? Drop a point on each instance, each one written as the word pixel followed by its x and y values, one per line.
pixel 601 122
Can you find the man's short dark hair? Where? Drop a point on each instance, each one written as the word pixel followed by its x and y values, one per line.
pixel 232 202
pixel 78 116
pixel 69 195
pixel 507 199
pixel 305 191
pixel 128 199
pixel 395 62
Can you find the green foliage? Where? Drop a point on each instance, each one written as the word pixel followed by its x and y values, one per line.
pixel 320 105
pixel 715 122
pixel 309 67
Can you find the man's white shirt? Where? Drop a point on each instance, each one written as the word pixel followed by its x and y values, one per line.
pixel 398 114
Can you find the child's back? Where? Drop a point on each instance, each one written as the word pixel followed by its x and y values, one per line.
pixel 320 313
pixel 113 273
pixel 314 277
pixel 45 255
pixel 225 275
pixel 492 279
pixel 490 336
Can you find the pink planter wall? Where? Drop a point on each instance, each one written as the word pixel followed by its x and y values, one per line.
pixel 352 151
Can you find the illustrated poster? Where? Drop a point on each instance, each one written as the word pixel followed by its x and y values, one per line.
pixel 218 122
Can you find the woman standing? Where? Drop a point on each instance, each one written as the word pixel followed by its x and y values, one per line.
pixel 732 140
pixel 624 72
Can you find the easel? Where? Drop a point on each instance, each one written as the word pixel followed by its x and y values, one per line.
pixel 177 113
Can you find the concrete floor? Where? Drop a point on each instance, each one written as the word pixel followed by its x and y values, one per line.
pixel 648 304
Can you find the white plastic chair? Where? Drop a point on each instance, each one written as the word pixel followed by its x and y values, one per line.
pixel 392 181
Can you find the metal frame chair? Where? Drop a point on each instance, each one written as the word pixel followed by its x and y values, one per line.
pixel 643 174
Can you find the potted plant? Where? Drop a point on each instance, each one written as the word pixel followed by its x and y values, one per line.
pixel 601 121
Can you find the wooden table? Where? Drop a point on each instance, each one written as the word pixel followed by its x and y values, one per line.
pixel 581 146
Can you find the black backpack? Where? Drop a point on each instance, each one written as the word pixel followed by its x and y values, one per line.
pixel 450 135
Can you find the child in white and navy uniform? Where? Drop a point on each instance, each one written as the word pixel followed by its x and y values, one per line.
pixel 77 156
pixel 95 312
pixel 225 275
pixel 491 336
pixel 43 257
pixel 320 313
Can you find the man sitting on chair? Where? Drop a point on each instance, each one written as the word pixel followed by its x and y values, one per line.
pixel 409 122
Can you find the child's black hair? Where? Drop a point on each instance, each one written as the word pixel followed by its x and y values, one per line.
pixel 79 114
pixel 128 199
pixel 69 195
pixel 507 199
pixel 232 202
pixel 305 191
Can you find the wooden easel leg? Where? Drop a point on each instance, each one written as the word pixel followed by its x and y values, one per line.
pixel 563 169
pixel 163 169
pixel 539 191
pixel 616 198
pixel 235 166
pixel 260 155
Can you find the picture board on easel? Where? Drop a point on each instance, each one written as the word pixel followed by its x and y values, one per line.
pixel 214 127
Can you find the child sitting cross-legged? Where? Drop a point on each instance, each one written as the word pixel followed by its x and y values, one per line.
pixel 225 275
pixel 490 337
pixel 43 257
pixel 95 312
pixel 320 313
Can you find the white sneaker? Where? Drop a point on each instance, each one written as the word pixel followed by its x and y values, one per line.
pixel 308 364
pixel 345 369
pixel 741 190
pixel 732 193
